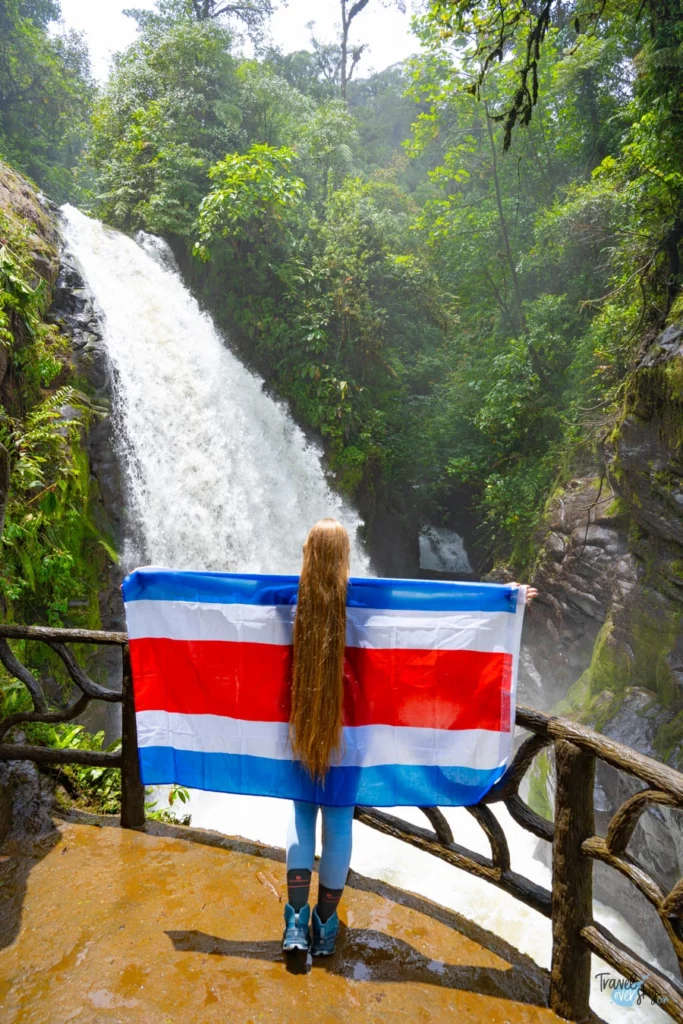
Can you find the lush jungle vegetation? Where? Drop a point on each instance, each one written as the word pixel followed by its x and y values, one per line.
pixel 447 268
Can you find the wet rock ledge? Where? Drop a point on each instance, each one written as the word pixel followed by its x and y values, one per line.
pixel 161 929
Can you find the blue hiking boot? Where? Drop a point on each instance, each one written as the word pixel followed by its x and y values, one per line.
pixel 296 934
pixel 324 935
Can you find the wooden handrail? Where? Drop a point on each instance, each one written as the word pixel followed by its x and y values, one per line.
pixel 618 755
pixel 50 634
pixel 575 846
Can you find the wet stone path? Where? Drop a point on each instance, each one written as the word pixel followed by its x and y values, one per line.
pixel 102 925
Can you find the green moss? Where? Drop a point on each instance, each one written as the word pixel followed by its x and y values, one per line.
pixel 610 668
pixel 666 479
pixel 539 798
pixel 617 509
pixel 577 697
pixel 673 376
pixel 669 737
pixel 615 666
pixel 657 394
pixel 349 465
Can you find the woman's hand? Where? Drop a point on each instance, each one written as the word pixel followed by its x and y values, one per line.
pixel 531 593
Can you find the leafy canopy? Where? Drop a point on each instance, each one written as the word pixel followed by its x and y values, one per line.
pixel 46 93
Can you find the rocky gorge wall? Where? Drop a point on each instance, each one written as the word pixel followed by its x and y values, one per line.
pixel 604 642
pixel 85 367
pixel 29 228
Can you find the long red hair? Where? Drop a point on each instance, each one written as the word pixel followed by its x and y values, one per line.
pixel 315 722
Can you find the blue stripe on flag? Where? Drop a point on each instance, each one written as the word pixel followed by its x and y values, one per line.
pixel 233 588
pixel 380 786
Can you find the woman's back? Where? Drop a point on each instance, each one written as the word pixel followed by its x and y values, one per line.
pixel 316 724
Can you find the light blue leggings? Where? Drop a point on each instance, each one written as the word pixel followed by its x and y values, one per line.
pixel 337 822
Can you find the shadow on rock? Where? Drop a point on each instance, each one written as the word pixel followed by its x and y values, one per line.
pixel 369 955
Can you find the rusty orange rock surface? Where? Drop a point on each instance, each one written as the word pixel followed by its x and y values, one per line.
pixel 99 924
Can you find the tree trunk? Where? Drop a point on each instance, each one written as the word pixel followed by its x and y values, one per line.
pixel 503 223
pixel 347 18
pixel 4 484
pixel 344 48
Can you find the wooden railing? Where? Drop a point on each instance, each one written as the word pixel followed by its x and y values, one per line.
pixel 575 846
pixel 132 790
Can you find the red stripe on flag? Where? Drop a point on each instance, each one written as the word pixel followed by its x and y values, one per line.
pixel 424 689
pixel 428 689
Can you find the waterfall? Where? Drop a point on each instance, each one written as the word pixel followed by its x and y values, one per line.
pixel 218 476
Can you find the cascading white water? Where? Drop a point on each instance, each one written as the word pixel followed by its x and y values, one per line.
pixel 219 477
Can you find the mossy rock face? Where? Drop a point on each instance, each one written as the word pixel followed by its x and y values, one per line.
pixel 59 570
pixel 638 653
pixel 604 641
pixel 644 452
pixel 19 202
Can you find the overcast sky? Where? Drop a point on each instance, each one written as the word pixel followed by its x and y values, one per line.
pixel 386 29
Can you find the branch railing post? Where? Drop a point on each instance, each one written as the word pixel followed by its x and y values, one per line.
pixel 132 789
pixel 572 893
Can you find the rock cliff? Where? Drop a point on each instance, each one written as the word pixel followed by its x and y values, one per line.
pixel 29 231
pixel 71 310
pixel 604 644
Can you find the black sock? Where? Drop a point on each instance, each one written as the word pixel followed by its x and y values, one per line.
pixel 328 900
pixel 298 887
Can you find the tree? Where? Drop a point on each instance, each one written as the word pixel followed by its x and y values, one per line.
pixel 251 14
pixel 46 92
pixel 350 56
pixel 252 198
pixel 249 11
pixel 305 72
pixel 167 113
pixel 503 26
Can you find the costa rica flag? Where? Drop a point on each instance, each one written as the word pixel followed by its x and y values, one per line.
pixel 429 687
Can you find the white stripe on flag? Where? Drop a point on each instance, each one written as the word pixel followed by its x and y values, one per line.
pixel 364 746
pixel 378 629
pixel 190 620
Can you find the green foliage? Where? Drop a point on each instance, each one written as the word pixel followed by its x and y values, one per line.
pixel 166 114
pixel 51 552
pixel 448 317
pixel 250 16
pixel 563 253
pixel 308 73
pixel 52 557
pixel 253 196
pixel 90 788
pixel 46 92
pixel 167 814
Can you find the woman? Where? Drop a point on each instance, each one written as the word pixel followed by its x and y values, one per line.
pixel 316 735
pixel 315 727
